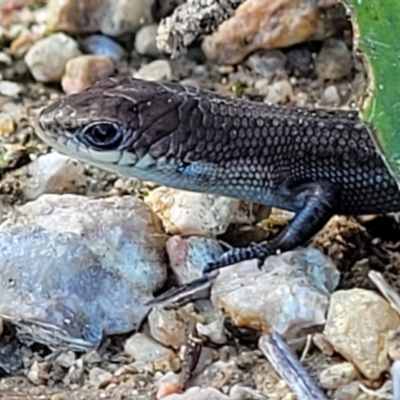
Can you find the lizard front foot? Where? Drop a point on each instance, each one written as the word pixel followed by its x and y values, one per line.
pixel 260 251
pixel 190 291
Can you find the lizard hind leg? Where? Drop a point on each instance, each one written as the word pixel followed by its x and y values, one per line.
pixel 318 203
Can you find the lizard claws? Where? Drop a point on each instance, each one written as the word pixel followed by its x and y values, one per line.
pixel 260 251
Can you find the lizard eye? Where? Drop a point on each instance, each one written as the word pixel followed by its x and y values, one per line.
pixel 102 136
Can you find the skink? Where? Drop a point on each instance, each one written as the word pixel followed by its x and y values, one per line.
pixel 314 162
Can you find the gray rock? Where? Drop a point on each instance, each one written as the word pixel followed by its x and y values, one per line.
pixel 334 61
pixel 145 41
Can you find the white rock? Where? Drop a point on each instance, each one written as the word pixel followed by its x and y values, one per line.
pixel 290 293
pixel 280 92
pixel 358 325
pixel 196 393
pixel 5 58
pixel 38 373
pixel 47 58
pixel 66 359
pixel 157 70
pixel 51 173
pixel 10 89
pixel 144 349
pixel 170 327
pixel 330 97
pixel 189 213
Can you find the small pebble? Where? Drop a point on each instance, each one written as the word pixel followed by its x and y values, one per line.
pixel 66 359
pixel 99 378
pixel 189 256
pixel 145 41
pixel 334 61
pixel 337 375
pixel 23 42
pixel 166 388
pixel 322 343
pixel 300 58
pixel 262 86
pixel 5 58
pixel 100 45
pixel 213 331
pixel 83 71
pixel 52 173
pixel 39 373
pixel 330 97
pixel 144 349
pixel 157 70
pixel 47 58
pixel 279 92
pixel 268 63
pixel 6 124
pixel 197 393
pixel 10 89
pixel 169 327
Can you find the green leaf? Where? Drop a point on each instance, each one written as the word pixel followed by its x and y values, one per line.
pixel 376 26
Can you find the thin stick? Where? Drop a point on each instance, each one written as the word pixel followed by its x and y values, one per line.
pixel 288 367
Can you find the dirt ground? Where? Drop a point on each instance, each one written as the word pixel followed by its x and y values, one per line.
pixel 355 245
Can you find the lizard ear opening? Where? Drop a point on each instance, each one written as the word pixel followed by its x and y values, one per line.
pixel 101 136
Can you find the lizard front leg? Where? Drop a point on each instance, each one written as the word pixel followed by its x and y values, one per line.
pixel 318 203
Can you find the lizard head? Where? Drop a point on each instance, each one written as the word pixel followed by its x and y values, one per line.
pixel 118 124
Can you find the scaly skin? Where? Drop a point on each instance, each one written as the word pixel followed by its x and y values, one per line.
pixel 316 163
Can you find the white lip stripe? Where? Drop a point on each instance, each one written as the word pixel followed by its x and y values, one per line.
pixel 127 158
pixel 104 156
